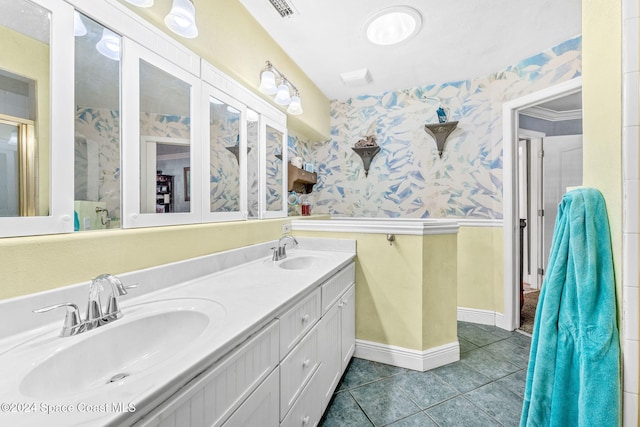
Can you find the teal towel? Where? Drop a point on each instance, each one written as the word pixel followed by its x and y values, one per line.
pixel 573 377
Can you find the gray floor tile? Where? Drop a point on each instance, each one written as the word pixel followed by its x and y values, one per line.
pixel 343 411
pixel 511 351
pixel 515 382
pixel 361 371
pixel 459 412
pixel 489 364
pixel 497 401
pixel 384 402
pixel 461 376
pixel 425 389
pixel 466 345
pixel 418 420
pixel 479 335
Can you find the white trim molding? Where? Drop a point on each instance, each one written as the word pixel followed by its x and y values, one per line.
pixel 478 316
pixel 408 358
pixel 416 227
pixel 550 115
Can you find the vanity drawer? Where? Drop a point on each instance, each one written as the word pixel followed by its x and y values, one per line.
pixel 297 321
pixel 336 285
pixel 306 412
pixel 211 397
pixel 296 369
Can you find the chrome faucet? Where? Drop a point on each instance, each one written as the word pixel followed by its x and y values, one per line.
pixel 280 251
pixel 96 314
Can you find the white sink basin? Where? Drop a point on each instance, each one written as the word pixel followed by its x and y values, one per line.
pixel 147 335
pixel 300 263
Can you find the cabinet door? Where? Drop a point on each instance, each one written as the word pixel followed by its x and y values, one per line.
pixel 330 337
pixel 348 325
pixel 261 408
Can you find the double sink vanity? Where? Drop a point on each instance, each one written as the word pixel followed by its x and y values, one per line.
pixel 252 336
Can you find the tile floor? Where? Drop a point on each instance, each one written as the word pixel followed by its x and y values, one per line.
pixel 485 388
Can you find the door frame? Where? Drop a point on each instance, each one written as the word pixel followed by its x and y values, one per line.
pixel 510 110
pixel 535 186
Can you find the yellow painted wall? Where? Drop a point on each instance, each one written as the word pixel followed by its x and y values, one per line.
pixel 399 300
pixel 480 268
pixel 29 58
pixel 232 40
pixel 439 279
pixel 602 113
pixel 39 263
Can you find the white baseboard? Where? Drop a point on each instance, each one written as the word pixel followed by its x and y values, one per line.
pixel 408 358
pixel 474 315
pixel 481 317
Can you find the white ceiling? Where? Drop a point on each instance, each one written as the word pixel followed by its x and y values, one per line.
pixel 459 39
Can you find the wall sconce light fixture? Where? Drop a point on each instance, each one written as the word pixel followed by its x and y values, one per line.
pixel 109 44
pixel 273 82
pixel 181 19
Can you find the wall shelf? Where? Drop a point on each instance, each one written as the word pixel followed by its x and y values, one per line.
pixel 366 154
pixel 300 180
pixel 440 132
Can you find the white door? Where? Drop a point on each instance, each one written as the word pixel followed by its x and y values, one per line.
pixel 562 168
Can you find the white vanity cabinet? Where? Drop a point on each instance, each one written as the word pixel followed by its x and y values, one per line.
pixel 210 398
pixel 336 331
pixel 282 376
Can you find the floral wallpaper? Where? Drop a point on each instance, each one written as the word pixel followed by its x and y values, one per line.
pixel 407 178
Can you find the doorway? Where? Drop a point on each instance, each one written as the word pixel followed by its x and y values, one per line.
pixel 524 192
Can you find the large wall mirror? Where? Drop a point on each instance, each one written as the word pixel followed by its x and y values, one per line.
pixel 225 196
pixel 274 166
pixel 97 126
pixel 25 32
pixel 99 131
pixel 36 121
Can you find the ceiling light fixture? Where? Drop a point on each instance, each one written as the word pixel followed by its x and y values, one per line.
pixel 141 3
pixel 182 19
pixel 393 25
pixel 109 44
pixel 268 78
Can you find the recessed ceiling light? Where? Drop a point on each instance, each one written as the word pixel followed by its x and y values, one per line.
pixel 393 25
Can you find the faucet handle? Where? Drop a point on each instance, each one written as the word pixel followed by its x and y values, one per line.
pixel 71 319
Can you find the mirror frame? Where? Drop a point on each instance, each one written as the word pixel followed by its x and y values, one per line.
pixel 208 92
pixel 283 211
pixel 60 216
pixel 132 53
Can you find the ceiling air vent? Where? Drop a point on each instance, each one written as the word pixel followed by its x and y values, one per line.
pixel 284 8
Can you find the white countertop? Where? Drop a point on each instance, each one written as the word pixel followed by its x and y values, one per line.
pixel 250 295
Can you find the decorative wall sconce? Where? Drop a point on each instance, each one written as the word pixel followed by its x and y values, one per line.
pixel 273 82
pixel 181 19
pixel 440 132
pixel 367 150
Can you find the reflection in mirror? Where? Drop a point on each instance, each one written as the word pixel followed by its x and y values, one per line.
pixel 274 167
pixel 165 159
pixel 253 164
pixel 224 159
pixel 24 108
pixel 97 126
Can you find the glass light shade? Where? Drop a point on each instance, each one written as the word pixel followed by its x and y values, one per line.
pixel 283 97
pixel 393 25
pixel 109 45
pixel 268 83
pixel 79 28
pixel 141 3
pixel 182 19
pixel 295 108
